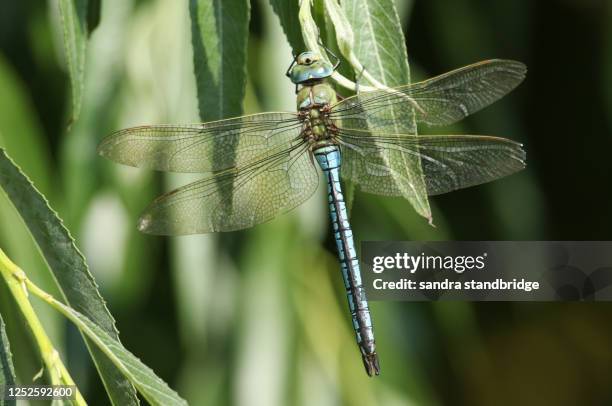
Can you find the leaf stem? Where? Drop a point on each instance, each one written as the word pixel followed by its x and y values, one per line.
pixel 310 33
pixel 344 36
pixel 154 390
pixel 346 43
pixel 17 281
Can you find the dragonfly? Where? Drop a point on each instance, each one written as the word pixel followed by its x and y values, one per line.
pixel 259 166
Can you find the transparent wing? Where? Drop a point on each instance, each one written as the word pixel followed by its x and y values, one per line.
pixel 442 100
pixel 207 147
pixel 449 162
pixel 235 199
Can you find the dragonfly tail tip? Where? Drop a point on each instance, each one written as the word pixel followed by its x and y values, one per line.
pixel 371 364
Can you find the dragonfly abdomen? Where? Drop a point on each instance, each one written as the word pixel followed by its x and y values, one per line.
pixel 329 160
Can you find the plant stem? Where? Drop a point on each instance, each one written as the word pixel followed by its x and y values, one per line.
pixel 345 40
pixel 310 33
pixel 344 35
pixel 16 280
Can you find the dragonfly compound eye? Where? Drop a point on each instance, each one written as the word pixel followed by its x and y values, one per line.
pixel 307 58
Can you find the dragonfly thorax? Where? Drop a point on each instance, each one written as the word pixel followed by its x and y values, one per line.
pixel 313 103
pixel 319 93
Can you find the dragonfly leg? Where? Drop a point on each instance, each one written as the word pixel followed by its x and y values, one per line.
pixel 358 78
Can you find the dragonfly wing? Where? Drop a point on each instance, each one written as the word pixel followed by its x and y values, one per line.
pixel 442 100
pixel 207 147
pixel 449 162
pixel 235 199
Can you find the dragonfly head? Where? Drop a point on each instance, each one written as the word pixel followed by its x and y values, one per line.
pixel 309 66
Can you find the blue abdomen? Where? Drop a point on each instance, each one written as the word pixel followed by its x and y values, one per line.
pixel 329 160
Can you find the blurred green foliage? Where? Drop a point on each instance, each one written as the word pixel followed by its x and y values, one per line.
pixel 258 317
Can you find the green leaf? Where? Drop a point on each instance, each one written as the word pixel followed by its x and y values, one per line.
pixel 73 15
pixel 27 352
pixel 68 267
pixel 219 30
pixel 379 45
pixel 287 11
pixel 153 388
pixel 94 11
pixel 20 132
pixel 7 372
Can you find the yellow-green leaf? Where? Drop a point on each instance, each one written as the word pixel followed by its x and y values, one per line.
pixel 7 371
pixel 153 388
pixel 219 30
pixel 379 45
pixel 68 268
pixel 73 15
pixel 287 12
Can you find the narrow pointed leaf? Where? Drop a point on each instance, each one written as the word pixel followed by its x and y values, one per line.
pixel 94 12
pixel 287 11
pixel 73 15
pixel 68 268
pixel 219 32
pixel 379 45
pixel 153 388
pixel 7 371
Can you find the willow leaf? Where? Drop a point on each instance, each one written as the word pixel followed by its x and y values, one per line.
pixel 68 268
pixel 219 32
pixel 379 45
pixel 287 12
pixel 7 371
pixel 153 388
pixel 94 12
pixel 73 15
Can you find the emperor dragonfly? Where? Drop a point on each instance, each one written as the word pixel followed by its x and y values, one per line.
pixel 263 164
